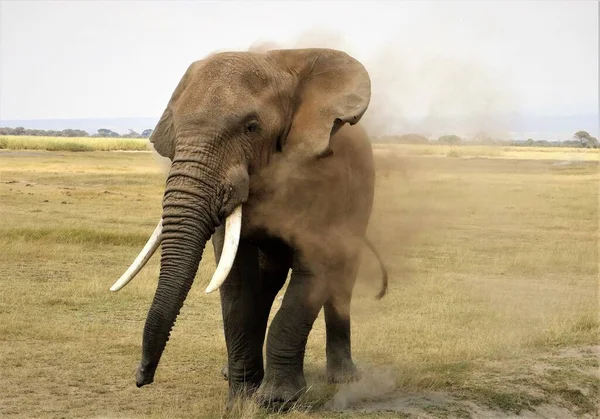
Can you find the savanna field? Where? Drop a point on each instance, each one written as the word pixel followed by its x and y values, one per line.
pixel 492 308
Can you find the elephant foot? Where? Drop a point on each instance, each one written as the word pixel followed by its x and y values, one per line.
pixel 241 387
pixel 281 392
pixel 344 373
pixel 239 395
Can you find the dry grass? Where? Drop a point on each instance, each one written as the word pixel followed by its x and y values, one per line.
pixel 10 142
pixel 493 267
pixel 503 152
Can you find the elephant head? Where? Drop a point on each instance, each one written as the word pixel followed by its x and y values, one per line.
pixel 228 116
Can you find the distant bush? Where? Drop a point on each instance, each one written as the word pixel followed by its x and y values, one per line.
pixel 585 139
pixel 449 139
pixel 20 131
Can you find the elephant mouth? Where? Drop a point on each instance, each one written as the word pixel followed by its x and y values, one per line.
pixel 233 224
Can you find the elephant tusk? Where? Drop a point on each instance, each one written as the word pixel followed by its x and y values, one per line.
pixel 141 260
pixel 233 225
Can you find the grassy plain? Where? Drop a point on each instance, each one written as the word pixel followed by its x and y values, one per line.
pixel 24 142
pixel 492 308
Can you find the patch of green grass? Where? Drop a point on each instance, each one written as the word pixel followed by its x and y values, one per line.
pixel 505 400
pixel 572 388
pixel 39 236
pixel 574 397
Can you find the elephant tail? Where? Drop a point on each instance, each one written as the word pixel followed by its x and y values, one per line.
pixel 384 273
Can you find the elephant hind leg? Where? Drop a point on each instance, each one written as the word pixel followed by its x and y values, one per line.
pixel 340 367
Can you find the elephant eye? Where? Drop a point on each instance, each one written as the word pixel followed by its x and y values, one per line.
pixel 252 127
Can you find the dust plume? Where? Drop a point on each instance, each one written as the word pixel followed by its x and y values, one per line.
pixel 424 92
pixel 374 384
pixel 294 200
pixel 163 162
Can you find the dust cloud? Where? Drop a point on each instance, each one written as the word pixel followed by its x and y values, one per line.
pixel 295 201
pixel 427 94
pixel 430 94
pixel 375 383
pixel 163 162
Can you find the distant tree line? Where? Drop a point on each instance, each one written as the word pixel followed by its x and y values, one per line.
pixel 581 139
pixel 102 132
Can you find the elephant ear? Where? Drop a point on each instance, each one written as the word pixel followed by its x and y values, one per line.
pixel 163 136
pixel 333 88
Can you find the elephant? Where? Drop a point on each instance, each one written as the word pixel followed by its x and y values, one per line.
pixel 269 161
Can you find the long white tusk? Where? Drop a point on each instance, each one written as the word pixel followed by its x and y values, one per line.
pixel 233 225
pixel 139 262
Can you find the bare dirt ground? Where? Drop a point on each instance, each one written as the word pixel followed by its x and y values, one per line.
pixel 561 385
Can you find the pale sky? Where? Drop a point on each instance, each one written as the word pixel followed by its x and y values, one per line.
pixel 94 59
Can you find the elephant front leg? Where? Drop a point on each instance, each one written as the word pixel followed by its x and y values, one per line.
pixel 284 379
pixel 246 299
pixel 243 319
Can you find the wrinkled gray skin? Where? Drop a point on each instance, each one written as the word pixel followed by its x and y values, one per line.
pixel 233 123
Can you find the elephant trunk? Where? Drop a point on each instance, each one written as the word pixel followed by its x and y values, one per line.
pixel 190 213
